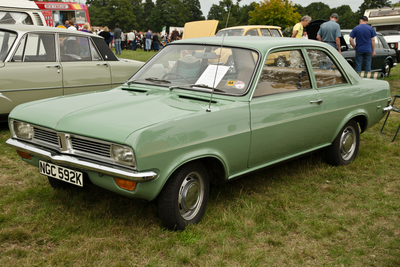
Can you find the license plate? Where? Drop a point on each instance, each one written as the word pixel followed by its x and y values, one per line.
pixel 61 173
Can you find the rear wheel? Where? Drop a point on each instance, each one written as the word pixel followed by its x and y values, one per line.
pixel 386 68
pixel 344 148
pixel 184 197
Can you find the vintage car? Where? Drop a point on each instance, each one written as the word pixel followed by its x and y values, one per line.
pixel 384 60
pixel 40 62
pixel 190 118
pixel 251 30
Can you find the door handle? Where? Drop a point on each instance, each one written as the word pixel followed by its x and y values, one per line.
pixel 318 101
pixel 53 66
pixel 102 64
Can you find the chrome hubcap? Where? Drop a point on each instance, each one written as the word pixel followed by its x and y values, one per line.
pixel 348 143
pixel 387 69
pixel 191 195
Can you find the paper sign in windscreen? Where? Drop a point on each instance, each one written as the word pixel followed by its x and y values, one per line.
pixel 208 75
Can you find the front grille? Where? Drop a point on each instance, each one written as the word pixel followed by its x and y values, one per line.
pixel 91 147
pixel 45 136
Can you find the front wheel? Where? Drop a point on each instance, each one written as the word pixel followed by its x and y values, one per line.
pixel 386 68
pixel 184 197
pixel 344 148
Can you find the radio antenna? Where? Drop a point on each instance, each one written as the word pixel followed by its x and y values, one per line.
pixel 216 71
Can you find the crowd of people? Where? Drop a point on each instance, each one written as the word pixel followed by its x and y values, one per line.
pixel 127 40
pixel 330 33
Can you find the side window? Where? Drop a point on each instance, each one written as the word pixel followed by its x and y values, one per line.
pixel 325 70
pixel 265 32
pixel 38 48
pixel 378 43
pixel 19 55
pixel 275 33
pixel 95 55
pixel 284 71
pixel 252 32
pixel 74 48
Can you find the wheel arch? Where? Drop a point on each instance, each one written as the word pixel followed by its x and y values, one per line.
pixel 359 116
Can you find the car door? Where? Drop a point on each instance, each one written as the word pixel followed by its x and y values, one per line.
pixel 336 91
pixel 286 112
pixel 32 72
pixel 381 54
pixel 83 68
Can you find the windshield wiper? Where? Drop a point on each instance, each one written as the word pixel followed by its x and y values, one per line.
pixel 154 79
pixel 197 85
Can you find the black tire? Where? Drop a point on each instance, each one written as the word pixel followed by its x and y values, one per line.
pixel 183 199
pixel 344 148
pixel 386 68
pixel 57 184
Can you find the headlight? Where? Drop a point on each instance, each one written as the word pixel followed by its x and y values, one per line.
pixel 392 46
pixel 123 155
pixel 22 130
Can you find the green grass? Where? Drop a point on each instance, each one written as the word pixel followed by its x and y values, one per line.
pixel 301 213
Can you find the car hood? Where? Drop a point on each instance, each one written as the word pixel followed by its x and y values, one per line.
pixel 109 115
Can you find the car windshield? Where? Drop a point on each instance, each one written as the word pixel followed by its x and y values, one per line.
pixel 231 32
pixel 6 41
pixel 200 67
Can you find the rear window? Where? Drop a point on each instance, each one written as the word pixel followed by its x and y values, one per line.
pixel 7 17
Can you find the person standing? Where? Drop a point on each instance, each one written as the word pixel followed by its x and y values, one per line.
pixel 71 25
pixel 149 37
pixel 329 32
pixel 117 39
pixel 106 35
pixel 365 47
pixel 66 25
pixel 174 35
pixel 123 40
pixel 299 27
pixel 156 43
pixel 131 40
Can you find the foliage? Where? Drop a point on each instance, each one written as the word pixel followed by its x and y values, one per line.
pixel 274 12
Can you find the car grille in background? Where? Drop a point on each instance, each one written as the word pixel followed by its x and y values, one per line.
pixel 91 147
pixel 45 136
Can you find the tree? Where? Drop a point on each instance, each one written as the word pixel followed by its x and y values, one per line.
pixel 318 10
pixel 369 4
pixel 244 11
pixel 274 12
pixel 194 9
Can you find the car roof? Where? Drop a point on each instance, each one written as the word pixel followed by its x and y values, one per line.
pixel 261 43
pixel 252 27
pixel 349 31
pixel 33 28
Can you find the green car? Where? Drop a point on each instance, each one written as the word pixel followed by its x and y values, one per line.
pixel 201 111
pixel 41 62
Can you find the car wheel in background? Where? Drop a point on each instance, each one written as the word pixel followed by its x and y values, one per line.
pixel 344 148
pixel 386 68
pixel 184 197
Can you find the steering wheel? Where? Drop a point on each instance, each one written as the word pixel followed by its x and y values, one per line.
pixel 176 75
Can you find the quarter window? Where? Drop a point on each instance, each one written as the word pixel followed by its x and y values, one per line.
pixel 284 71
pixel 74 48
pixel 275 33
pixel 325 69
pixel 6 41
pixel 265 32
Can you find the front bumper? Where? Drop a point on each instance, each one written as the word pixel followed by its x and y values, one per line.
pixel 74 162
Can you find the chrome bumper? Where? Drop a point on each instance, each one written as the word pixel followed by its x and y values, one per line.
pixel 387 109
pixel 74 162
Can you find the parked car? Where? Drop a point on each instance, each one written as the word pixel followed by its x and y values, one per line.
pixel 191 117
pixel 392 38
pixel 251 30
pixel 40 62
pixel 384 60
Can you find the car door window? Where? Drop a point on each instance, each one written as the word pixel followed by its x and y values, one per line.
pixel 325 69
pixel 6 41
pixel 75 48
pixel 95 54
pixel 284 71
pixel 378 44
pixel 265 32
pixel 36 48
pixel 275 33
pixel 252 32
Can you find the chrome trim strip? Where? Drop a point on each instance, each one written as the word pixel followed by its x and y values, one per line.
pixel 31 89
pixel 87 85
pixel 74 162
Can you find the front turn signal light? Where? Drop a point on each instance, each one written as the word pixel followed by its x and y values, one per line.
pixel 125 184
pixel 24 155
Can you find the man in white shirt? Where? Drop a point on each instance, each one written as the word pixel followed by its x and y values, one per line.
pixel 72 27
pixel 131 36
